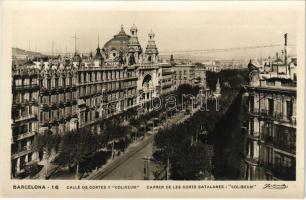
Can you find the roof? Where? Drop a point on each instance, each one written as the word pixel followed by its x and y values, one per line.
pixel 119 41
pixel 98 55
pixel 77 58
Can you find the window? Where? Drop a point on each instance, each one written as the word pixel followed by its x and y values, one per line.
pixel 271 106
pixel 49 83
pixel 289 109
pixel 270 155
pixel 251 125
pixel 287 161
pixel 251 104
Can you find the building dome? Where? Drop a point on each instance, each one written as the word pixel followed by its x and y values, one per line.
pixel 118 43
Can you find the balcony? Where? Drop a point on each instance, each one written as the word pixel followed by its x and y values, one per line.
pixel 268 139
pixel 30 87
pixel 285 146
pixel 278 144
pixel 279 171
pixel 24 117
pixel 54 105
pixel 22 151
pixel 253 135
pixel 23 135
pixel 284 172
pixel 165 73
pixel 251 160
pixel 130 77
pixel 148 66
pixel 280 117
pixel 61 104
pixel 285 118
pixel 131 86
pixel 266 113
pixel 24 102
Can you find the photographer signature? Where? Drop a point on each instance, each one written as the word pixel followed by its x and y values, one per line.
pixel 275 186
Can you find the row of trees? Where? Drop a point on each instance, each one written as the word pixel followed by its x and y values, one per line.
pixel 179 147
pixel 189 148
pixel 75 147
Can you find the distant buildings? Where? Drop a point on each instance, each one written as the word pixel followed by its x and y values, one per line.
pixel 218 65
pixel 271 131
pixel 200 76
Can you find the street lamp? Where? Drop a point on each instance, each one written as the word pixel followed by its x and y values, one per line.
pixel 146 170
pixel 102 100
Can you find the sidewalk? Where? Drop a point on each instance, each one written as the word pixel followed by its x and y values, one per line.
pixel 42 173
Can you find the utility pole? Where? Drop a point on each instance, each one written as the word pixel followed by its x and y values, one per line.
pixel 168 169
pixel 52 48
pixel 29 45
pixel 75 42
pixel 146 168
pixel 60 50
pixel 98 40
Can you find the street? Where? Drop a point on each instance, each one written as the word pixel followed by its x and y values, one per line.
pixel 130 166
pixel 133 168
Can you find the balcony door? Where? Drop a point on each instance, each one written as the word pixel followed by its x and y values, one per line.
pixel 271 107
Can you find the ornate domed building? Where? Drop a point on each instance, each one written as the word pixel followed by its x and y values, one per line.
pixel 119 43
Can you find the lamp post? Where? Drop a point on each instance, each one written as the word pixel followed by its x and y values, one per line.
pixel 146 169
pixel 153 128
pixel 102 100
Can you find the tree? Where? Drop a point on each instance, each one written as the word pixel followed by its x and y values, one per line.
pixel 115 132
pixel 192 162
pixel 47 142
pixel 76 146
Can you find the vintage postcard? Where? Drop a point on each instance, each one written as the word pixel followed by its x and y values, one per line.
pixel 157 99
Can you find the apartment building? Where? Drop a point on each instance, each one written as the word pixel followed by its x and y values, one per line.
pixel 271 131
pixel 25 111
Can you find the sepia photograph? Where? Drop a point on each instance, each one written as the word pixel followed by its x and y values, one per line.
pixel 209 95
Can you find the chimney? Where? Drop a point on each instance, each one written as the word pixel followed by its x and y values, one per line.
pixel 171 58
pixel 285 49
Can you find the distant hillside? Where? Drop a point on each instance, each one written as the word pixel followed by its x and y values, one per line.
pixel 21 53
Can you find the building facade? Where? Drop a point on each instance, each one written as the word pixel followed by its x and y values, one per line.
pixel 200 76
pixel 166 77
pixel 57 96
pixel 183 74
pixel 271 131
pixel 25 112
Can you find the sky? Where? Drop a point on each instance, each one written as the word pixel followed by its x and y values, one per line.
pixel 175 30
